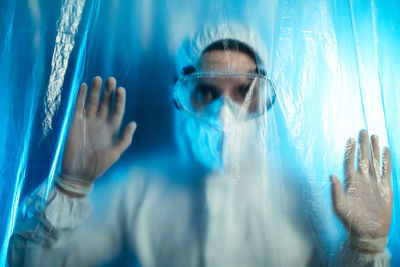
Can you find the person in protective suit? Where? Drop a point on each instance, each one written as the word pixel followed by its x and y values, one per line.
pixel 225 208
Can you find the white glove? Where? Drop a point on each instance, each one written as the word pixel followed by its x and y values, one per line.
pixel 365 206
pixel 92 144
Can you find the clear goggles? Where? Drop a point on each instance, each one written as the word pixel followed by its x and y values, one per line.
pixel 202 94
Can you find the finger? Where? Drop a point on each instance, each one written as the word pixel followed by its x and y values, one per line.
pixel 106 98
pixel 337 196
pixel 363 152
pixel 119 109
pixel 80 101
pixel 375 155
pixel 349 160
pixel 93 99
pixel 387 166
pixel 125 139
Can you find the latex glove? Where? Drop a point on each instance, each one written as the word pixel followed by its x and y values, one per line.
pixel 365 206
pixel 92 144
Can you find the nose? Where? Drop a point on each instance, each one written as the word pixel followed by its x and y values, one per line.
pixel 227 90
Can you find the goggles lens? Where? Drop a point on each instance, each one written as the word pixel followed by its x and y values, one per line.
pixel 202 94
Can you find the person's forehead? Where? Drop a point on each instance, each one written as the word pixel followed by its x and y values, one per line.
pixel 228 60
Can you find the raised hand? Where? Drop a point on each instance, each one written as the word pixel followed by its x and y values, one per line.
pixel 92 144
pixel 365 206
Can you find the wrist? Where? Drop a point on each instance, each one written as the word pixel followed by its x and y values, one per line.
pixel 67 193
pixel 368 245
pixel 73 186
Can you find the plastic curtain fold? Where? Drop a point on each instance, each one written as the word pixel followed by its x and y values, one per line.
pixel 334 63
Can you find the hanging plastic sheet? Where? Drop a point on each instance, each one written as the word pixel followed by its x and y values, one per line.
pixel 172 199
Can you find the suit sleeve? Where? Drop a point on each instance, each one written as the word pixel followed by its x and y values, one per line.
pixel 66 232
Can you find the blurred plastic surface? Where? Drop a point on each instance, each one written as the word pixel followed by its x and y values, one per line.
pixel 334 65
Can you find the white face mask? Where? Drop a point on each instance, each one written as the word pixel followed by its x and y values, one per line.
pixel 229 113
pixel 227 147
pixel 241 137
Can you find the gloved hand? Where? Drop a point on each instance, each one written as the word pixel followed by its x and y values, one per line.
pixel 92 144
pixel 365 206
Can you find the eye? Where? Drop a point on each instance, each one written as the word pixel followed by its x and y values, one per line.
pixel 242 90
pixel 205 93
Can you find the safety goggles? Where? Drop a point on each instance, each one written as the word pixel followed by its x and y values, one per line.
pixel 202 94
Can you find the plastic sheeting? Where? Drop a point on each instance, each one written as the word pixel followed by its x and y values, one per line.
pixel 334 64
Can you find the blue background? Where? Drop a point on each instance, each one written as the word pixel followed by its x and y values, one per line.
pixel 335 64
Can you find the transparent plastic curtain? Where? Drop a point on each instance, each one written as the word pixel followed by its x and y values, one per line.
pixel 334 64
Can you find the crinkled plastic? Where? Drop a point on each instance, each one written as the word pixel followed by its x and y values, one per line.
pixel 335 68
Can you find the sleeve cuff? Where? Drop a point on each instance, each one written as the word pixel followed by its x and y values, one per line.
pixel 60 211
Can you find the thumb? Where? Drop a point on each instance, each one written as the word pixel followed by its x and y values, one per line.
pixel 125 139
pixel 337 195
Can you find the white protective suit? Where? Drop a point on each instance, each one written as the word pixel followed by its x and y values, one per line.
pixel 241 215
